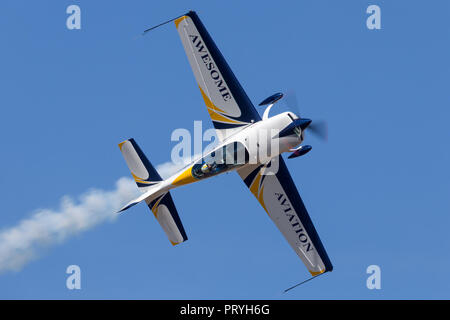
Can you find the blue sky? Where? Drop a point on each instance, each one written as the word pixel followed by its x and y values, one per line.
pixel 378 191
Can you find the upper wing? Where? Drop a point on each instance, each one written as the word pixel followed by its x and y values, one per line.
pixel 279 197
pixel 228 104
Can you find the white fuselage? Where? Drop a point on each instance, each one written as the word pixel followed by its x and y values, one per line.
pixel 261 138
pixel 261 141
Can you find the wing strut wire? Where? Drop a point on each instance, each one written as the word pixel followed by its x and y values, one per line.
pixel 161 24
pixel 299 284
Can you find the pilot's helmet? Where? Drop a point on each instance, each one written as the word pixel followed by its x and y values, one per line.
pixel 205 168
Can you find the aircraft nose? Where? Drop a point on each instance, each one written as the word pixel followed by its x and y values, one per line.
pixel 304 123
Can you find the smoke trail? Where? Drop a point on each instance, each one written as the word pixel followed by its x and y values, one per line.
pixel 169 168
pixel 22 243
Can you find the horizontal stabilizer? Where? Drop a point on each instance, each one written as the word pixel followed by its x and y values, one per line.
pixel 141 169
pixel 165 212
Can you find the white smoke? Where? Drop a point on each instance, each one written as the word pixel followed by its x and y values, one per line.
pixel 169 168
pixel 22 243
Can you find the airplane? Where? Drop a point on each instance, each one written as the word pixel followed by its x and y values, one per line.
pixel 238 125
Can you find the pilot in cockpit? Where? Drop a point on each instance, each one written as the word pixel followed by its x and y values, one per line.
pixel 209 168
pixel 206 167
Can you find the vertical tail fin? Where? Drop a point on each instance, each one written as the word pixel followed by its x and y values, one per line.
pixel 141 169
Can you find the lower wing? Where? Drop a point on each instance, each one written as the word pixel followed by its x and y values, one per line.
pixel 275 190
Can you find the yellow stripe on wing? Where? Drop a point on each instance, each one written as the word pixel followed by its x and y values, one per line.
pixel 208 102
pixel 218 117
pixel 177 21
pixel 316 273
pixel 213 111
pixel 121 144
pixel 254 187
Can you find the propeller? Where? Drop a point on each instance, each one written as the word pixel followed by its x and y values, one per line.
pixel 319 128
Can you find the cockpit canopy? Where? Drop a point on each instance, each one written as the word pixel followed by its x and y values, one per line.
pixel 220 160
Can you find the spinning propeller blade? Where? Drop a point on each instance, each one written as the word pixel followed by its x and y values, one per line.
pixel 319 128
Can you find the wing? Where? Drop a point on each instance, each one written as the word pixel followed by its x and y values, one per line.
pixel 227 103
pixel 279 197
